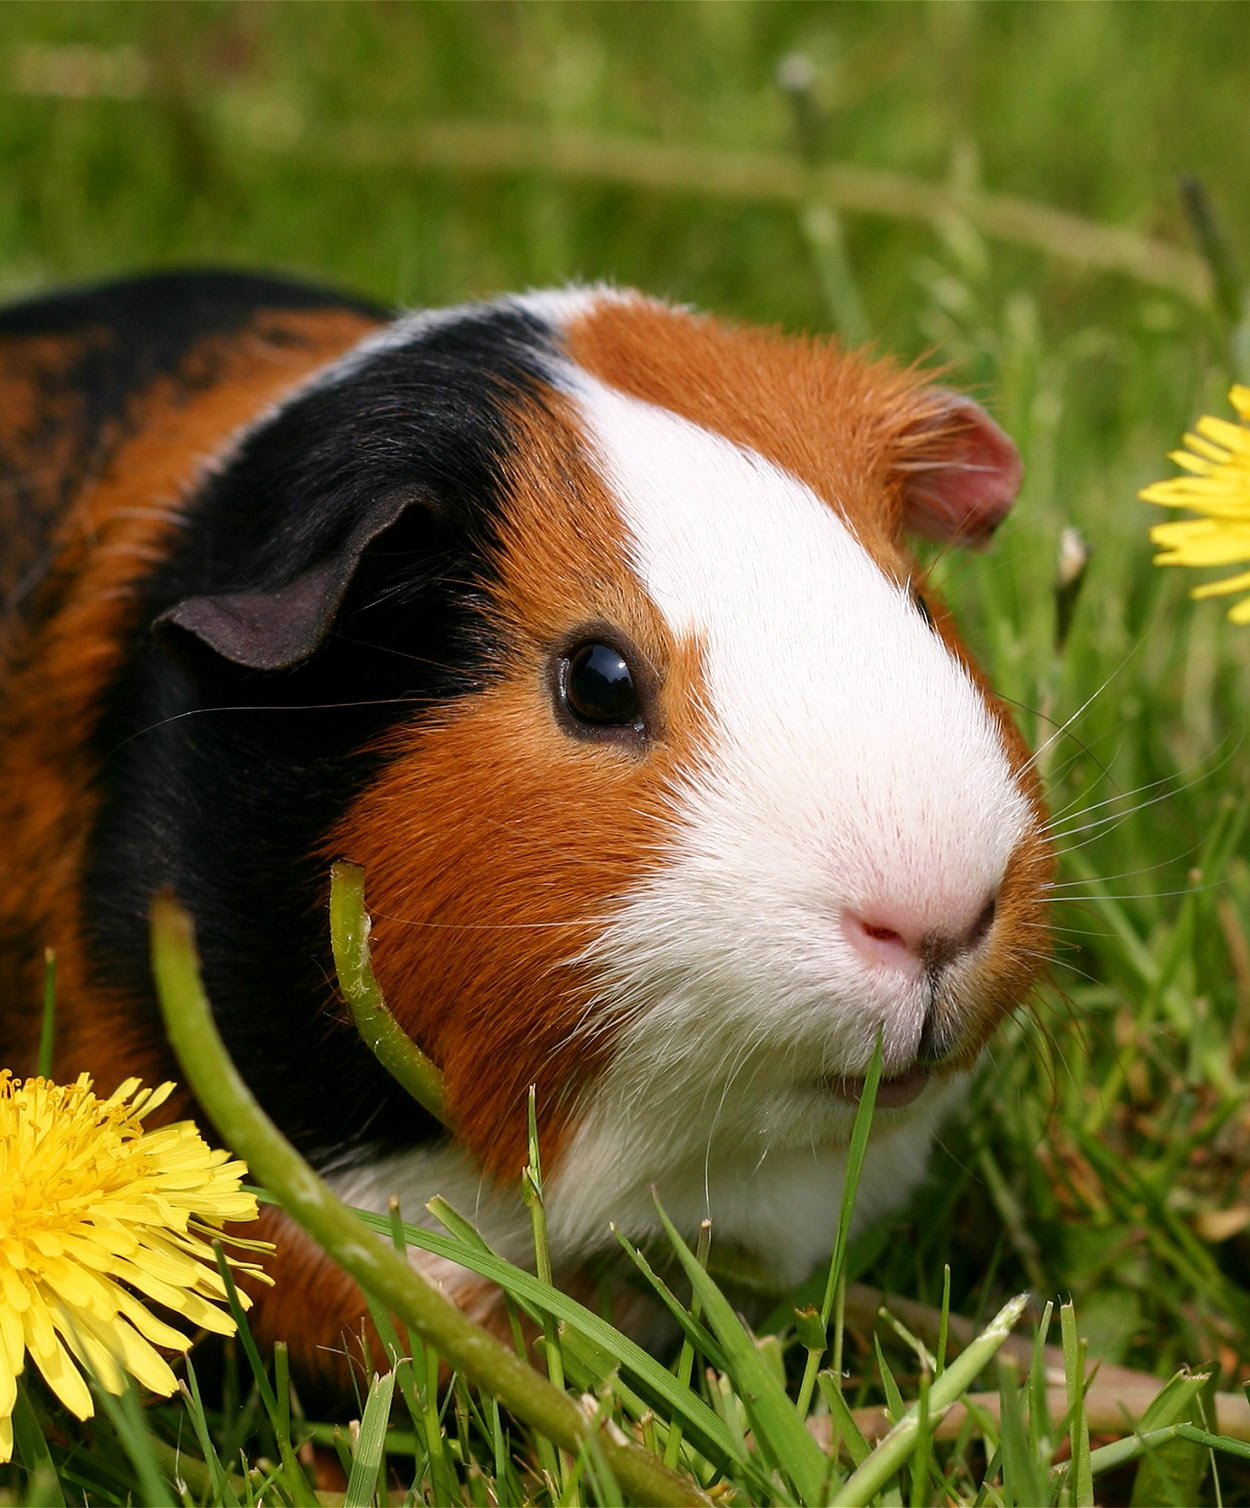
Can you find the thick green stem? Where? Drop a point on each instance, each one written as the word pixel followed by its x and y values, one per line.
pixel 383 1035
pixel 895 1449
pixel 471 1350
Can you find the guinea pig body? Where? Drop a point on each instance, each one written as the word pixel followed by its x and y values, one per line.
pixel 587 627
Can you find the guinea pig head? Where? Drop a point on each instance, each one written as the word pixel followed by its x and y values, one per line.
pixel 728 802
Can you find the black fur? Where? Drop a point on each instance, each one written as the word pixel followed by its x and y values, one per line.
pixel 221 780
pixel 86 354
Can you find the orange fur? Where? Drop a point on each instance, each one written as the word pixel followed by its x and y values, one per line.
pixel 494 844
pixel 763 390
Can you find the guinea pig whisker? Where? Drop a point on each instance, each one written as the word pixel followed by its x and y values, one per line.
pixel 411 921
pixel 1160 895
pixel 1058 890
pixel 402 654
pixel 1101 826
pixel 1066 887
pixel 1037 1032
pixel 1085 705
pixel 1063 963
pixel 1172 785
pixel 1062 730
pixel 1077 806
pixel 1056 828
pixel 742 1058
pixel 177 717
pixel 1061 934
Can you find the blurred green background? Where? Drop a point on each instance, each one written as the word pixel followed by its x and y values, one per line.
pixel 426 153
pixel 294 134
pixel 989 186
pixel 902 189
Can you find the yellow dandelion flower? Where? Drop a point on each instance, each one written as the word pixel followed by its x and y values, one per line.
pixel 1218 487
pixel 99 1217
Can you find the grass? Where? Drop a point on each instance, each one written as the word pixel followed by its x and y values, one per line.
pixel 428 153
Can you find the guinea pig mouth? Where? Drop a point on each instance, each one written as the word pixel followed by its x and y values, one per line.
pixel 892 1094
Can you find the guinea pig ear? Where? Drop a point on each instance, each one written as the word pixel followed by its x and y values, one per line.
pixel 960 471
pixel 276 628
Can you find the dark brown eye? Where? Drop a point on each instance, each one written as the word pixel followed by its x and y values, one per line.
pixel 599 689
pixel 922 607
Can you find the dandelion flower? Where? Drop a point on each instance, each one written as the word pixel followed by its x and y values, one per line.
pixel 98 1218
pixel 1218 487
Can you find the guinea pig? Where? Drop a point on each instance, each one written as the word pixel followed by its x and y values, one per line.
pixel 587 626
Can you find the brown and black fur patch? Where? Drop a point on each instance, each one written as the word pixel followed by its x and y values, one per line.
pixel 181 758
pixel 115 398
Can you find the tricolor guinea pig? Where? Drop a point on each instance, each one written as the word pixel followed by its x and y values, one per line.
pixel 587 626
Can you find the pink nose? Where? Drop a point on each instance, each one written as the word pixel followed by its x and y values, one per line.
pixel 891 938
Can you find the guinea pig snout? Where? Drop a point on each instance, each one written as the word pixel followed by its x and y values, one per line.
pixel 911 940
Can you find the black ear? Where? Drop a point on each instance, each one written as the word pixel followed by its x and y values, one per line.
pixel 274 628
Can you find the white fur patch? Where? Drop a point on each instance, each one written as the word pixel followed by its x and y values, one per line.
pixel 449 1172
pixel 853 763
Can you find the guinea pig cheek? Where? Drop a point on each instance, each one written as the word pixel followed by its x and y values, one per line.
pixel 495 847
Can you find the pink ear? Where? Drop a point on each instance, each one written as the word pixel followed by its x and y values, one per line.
pixel 961 473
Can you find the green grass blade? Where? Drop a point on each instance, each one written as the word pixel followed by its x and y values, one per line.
pixel 294 1478
pixel 1180 1395
pixel 691 1326
pixel 922 1457
pixel 47 1024
pixel 858 1147
pixel 1174 1472
pixel 1079 1476
pixel 126 1416
pixel 845 1428
pixel 780 1433
pixel 893 1398
pixel 373 1263
pixel 364 1484
pixel 223 1490
pixel 31 1449
pixel 707 1431
pixel 1023 1481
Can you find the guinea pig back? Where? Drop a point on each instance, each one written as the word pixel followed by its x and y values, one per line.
pixel 587 626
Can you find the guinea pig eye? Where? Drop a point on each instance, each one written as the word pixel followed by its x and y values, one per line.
pixel 922 607
pixel 598 687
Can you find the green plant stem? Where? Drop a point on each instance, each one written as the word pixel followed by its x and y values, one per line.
pixel 896 1448
pixel 47 1027
pixel 470 1349
pixel 470 147
pixel 1110 1410
pixel 386 1039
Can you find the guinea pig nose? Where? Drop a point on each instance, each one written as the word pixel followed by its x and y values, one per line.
pixel 911 943
pixel 881 936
